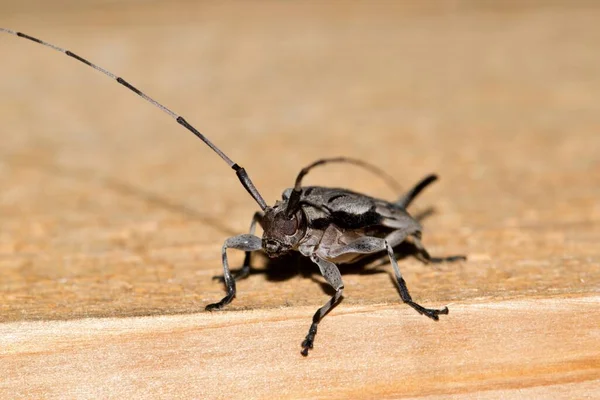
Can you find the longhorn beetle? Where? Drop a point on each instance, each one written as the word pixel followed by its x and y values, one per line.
pixel 329 225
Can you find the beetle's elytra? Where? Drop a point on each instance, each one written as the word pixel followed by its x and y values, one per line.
pixel 330 226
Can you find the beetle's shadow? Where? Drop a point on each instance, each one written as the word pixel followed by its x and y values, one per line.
pixel 120 187
pixel 294 264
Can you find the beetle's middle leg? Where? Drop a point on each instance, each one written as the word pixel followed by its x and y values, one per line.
pixel 369 244
pixel 404 294
pixel 424 256
pixel 244 242
pixel 332 275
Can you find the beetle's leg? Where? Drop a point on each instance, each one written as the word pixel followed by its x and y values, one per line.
pixel 368 244
pixel 404 294
pixel 424 256
pixel 332 275
pixel 244 242
pixel 245 270
pixel 407 198
pixel 411 227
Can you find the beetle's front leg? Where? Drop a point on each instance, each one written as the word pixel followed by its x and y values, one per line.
pixel 332 275
pixel 244 242
pixel 245 270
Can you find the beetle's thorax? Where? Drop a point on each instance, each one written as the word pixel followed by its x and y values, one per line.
pixel 282 233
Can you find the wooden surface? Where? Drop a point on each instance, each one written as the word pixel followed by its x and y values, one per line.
pixel 371 351
pixel 112 216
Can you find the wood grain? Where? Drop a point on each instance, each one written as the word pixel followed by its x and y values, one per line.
pixel 112 217
pixel 477 350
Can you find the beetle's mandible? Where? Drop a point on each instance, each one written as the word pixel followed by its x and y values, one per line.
pixel 330 226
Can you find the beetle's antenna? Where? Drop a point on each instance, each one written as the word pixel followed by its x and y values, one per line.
pixel 294 199
pixel 240 172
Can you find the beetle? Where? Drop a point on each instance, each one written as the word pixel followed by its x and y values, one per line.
pixel 331 226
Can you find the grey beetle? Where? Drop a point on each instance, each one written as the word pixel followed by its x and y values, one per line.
pixel 330 226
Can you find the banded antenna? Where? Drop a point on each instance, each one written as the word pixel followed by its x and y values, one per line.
pixel 294 200
pixel 239 171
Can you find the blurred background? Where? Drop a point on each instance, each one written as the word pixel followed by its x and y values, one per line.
pixel 108 207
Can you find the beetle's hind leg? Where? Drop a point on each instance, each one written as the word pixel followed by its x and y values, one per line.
pixel 406 199
pixel 244 242
pixel 332 275
pixel 245 270
pixel 424 256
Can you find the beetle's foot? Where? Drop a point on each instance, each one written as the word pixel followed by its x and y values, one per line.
pixel 429 312
pixel 434 314
pixel 308 342
pixel 214 307
pixel 439 260
pixel 219 306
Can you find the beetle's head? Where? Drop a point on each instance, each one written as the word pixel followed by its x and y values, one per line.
pixel 282 233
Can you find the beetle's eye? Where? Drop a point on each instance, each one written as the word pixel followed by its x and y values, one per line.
pixel 289 226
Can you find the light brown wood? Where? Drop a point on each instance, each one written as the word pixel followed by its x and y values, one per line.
pixel 482 350
pixel 112 217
